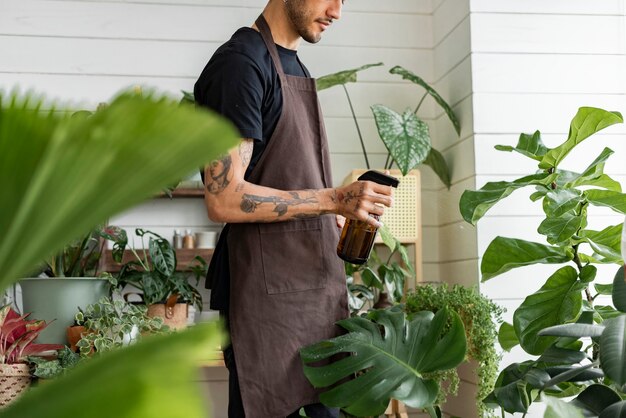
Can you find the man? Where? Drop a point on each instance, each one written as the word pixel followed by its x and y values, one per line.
pixel 275 275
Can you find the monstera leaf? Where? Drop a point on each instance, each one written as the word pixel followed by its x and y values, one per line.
pixel 389 355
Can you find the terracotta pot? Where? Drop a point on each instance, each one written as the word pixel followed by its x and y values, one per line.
pixel 14 380
pixel 74 334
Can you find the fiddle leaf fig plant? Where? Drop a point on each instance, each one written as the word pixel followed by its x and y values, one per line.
pixel 552 322
pixel 405 135
pixel 390 354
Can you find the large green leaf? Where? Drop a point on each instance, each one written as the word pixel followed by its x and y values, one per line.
pixel 560 201
pixel 594 171
pixel 156 377
pixel 558 301
pixel 529 145
pixel 389 354
pixel 342 77
pixel 436 161
pixel 619 290
pixel 573 330
pixel 607 198
pixel 556 408
pixel 504 254
pixel 606 243
pixel 408 75
pixel 562 228
pixel 475 203
pixel 613 349
pixel 162 255
pixel 557 355
pixel 61 176
pixel 587 122
pixel 406 136
pixel 596 398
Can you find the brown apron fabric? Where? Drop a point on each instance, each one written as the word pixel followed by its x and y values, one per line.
pixel 287 283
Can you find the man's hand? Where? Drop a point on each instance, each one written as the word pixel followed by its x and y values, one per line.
pixel 361 199
pixel 341 221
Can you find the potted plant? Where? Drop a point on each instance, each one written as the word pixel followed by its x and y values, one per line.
pixel 406 136
pixel 480 317
pixel 578 346
pixel 17 336
pixel 69 279
pixel 48 156
pixel 166 291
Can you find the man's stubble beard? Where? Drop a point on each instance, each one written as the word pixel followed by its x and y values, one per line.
pixel 301 20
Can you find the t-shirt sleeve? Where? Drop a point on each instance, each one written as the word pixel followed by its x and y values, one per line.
pixel 232 85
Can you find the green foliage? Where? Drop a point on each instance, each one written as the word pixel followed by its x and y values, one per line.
pixel 48 156
pixel 390 354
pixel 405 135
pixel 480 317
pixel 382 281
pixel 551 322
pixel 49 369
pixel 45 157
pixel 155 273
pixel 114 324
pixel 155 378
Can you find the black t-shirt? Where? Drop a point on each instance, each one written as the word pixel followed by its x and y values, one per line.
pixel 241 83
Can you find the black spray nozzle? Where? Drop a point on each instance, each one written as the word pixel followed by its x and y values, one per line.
pixel 380 178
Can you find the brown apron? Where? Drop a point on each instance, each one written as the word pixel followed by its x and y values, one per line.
pixel 287 283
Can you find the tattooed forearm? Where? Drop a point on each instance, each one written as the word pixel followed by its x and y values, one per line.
pixel 245 152
pixel 249 203
pixel 220 175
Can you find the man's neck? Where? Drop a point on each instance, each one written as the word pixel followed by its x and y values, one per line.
pixel 282 30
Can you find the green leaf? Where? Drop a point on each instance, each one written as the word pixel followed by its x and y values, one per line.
pixel 507 337
pixel 388 364
pixel 529 145
pixel 606 312
pixel 573 374
pixel 556 355
pixel 556 408
pixel 605 243
pixel 604 289
pixel 371 279
pixel 408 75
pixel 617 410
pixel 588 274
pixel 475 203
pixel 557 302
pixel 560 201
pixel 573 330
pixel 436 161
pixel 619 290
pixel 613 349
pixel 613 200
pixel 342 77
pixel 596 398
pixel 561 229
pixel 406 136
pixel 388 239
pixel 153 378
pixel 163 256
pixel 504 254
pixel 587 122
pixel 594 171
pixel 86 168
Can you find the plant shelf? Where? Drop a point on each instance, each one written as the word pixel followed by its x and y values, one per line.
pixel 184 257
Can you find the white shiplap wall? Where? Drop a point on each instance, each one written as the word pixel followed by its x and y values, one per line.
pixel 534 63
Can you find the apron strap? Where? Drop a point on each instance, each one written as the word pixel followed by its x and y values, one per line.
pixel 266 33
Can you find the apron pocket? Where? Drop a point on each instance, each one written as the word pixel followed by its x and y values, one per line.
pixel 292 256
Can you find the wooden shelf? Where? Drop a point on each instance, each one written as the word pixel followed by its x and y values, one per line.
pixel 184 257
